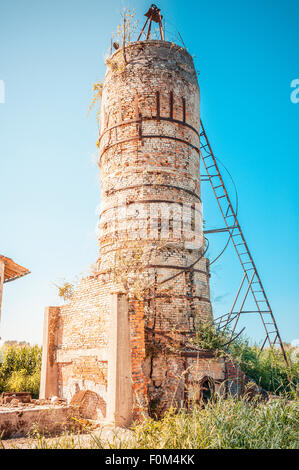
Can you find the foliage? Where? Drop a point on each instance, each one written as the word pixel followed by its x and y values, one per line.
pixel 222 424
pixel 208 336
pixel 127 27
pixel 66 290
pixel 129 268
pixel 20 369
pixel 266 368
pixel 96 99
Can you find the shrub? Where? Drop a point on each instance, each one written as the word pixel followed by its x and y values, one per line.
pixel 20 369
pixel 66 290
pixel 266 368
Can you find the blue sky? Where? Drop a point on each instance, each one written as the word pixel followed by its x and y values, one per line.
pixel 51 53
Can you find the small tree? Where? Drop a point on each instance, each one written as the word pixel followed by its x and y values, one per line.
pixel 127 27
pixel 65 291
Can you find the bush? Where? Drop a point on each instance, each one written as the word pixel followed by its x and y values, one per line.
pixel 20 369
pixel 267 368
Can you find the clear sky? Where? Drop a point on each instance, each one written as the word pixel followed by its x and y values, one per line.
pixel 51 53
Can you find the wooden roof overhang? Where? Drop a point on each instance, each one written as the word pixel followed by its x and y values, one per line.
pixel 12 270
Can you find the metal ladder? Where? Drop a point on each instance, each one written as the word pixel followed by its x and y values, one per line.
pixel 232 226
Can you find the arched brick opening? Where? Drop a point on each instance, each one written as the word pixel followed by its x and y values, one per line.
pixel 206 389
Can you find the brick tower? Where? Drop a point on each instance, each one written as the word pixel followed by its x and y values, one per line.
pixel 126 334
pixel 150 175
pixel 150 197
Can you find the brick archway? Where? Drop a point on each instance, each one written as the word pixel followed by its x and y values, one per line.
pixel 206 389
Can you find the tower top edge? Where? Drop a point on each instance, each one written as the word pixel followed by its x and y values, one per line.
pixel 154 43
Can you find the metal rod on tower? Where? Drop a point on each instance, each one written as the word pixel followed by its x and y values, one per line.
pixel 153 14
pixel 143 28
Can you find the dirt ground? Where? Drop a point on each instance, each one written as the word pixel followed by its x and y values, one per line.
pixel 106 436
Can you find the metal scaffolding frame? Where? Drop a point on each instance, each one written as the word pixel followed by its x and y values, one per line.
pixel 251 276
pixel 153 14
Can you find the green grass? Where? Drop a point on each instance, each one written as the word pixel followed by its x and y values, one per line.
pixel 222 424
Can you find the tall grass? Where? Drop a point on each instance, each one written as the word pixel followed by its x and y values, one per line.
pixel 222 424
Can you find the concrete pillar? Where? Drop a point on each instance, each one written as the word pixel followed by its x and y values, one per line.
pixel 49 372
pixel 1 285
pixel 120 391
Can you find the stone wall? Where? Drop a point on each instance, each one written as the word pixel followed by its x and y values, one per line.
pixel 48 420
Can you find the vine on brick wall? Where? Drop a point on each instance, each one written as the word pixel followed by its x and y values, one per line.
pixel 129 268
pixel 96 100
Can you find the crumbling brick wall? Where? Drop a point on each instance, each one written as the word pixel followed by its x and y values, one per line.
pixel 79 335
pixel 235 379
